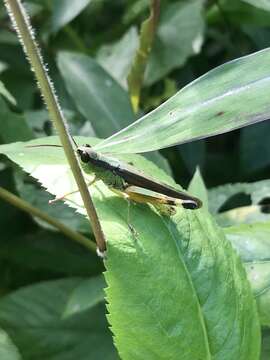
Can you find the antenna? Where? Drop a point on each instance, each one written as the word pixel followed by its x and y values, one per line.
pixel 74 142
pixel 50 145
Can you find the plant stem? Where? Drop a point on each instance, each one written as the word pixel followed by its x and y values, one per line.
pixel 25 206
pixel 26 35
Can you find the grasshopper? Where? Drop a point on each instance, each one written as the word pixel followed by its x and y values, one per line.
pixel 133 184
pixel 127 181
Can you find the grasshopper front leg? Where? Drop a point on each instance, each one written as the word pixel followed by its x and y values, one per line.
pixel 62 197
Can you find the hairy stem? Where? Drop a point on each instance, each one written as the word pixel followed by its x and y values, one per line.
pixel 25 206
pixel 22 25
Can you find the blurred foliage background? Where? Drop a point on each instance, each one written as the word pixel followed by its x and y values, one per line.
pixel 192 38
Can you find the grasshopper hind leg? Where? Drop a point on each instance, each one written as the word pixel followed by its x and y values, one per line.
pixel 129 200
pixel 165 210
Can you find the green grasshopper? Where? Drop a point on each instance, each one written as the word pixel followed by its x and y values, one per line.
pixel 127 181
pixel 132 183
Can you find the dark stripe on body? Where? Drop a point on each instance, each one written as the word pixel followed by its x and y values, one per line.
pixel 136 179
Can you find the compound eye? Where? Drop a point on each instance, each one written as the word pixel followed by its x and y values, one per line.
pixel 83 155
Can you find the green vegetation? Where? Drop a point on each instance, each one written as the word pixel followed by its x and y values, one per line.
pixel 193 286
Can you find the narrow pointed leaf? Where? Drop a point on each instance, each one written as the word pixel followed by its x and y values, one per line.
pixel 98 97
pixel 179 36
pixel 229 97
pixel 136 74
pixel 198 188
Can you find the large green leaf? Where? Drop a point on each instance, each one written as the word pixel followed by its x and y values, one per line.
pixel 179 35
pixel 229 97
pixel 179 285
pixel 176 287
pixel 32 317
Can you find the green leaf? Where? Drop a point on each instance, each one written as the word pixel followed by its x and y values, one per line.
pixel 117 58
pixel 6 94
pixel 181 285
pixel 258 191
pixel 259 275
pixel 179 35
pixel 198 188
pixel 13 126
pixel 252 242
pixel 231 96
pixel 43 249
pixel 96 94
pixel 238 13
pixel 222 195
pixel 64 11
pixel 86 295
pixel 176 280
pixel 261 4
pixel 8 350
pixel 33 319
pixel 244 214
